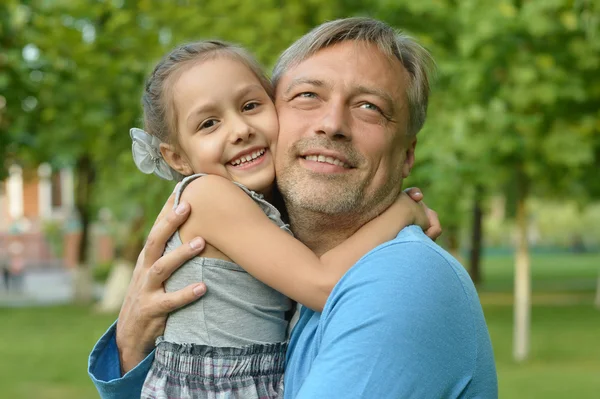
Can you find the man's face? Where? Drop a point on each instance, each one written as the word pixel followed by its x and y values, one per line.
pixel 343 118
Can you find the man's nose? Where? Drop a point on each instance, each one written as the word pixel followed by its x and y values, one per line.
pixel 334 120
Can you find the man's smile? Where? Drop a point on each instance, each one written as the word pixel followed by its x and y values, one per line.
pixel 326 159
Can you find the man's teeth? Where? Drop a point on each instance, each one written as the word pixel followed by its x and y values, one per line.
pixel 324 159
pixel 248 158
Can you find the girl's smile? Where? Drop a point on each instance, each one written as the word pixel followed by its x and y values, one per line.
pixel 249 158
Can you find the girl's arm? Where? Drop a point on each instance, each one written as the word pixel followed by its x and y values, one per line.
pixel 230 221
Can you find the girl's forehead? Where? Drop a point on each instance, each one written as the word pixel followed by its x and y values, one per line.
pixel 217 72
pixel 219 78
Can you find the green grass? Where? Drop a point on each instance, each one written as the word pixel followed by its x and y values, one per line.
pixel 549 273
pixel 564 358
pixel 43 351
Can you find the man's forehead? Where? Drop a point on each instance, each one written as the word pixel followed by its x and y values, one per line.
pixel 356 48
pixel 370 70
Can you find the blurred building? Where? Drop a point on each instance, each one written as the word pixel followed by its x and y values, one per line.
pixel 33 196
pixel 37 209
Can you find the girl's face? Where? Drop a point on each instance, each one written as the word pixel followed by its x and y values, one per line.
pixel 226 122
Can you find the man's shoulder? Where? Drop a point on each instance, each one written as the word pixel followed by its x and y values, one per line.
pixel 410 253
pixel 413 295
pixel 410 268
pixel 413 239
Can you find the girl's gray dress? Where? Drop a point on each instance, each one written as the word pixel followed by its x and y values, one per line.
pixel 230 343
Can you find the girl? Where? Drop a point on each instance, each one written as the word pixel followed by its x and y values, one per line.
pixel 209 116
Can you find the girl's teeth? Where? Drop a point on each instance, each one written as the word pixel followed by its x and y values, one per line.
pixel 248 158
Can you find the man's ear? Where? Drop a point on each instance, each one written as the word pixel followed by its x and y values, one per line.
pixel 409 161
pixel 175 160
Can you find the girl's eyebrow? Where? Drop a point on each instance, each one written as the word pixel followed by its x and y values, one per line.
pixel 238 93
pixel 244 90
pixel 199 110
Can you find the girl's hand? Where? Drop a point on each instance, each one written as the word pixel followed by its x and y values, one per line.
pixel 144 312
pixel 435 228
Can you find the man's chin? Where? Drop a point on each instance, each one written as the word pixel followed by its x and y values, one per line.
pixel 322 198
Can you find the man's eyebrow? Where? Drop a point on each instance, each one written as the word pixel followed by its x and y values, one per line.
pixel 385 96
pixel 300 81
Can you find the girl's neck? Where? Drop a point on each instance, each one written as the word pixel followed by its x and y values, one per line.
pixel 268 193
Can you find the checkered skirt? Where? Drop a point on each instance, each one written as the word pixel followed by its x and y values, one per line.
pixel 182 371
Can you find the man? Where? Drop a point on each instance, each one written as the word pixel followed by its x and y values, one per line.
pixel 405 321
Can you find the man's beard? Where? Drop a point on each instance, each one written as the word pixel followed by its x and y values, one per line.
pixel 328 194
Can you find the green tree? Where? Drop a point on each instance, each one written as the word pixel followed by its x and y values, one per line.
pixel 91 59
pixel 18 84
pixel 515 109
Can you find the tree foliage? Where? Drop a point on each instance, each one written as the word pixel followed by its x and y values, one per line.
pixel 517 93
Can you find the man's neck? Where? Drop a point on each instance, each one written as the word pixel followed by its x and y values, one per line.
pixel 322 232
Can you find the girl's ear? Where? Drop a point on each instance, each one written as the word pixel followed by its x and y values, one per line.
pixel 175 160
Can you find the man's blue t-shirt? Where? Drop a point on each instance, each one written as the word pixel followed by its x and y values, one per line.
pixel 404 322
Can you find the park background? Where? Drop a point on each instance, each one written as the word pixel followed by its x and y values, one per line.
pixel 509 158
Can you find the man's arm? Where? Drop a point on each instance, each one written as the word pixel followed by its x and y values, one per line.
pixel 398 325
pixel 146 306
pixel 104 368
pixel 120 361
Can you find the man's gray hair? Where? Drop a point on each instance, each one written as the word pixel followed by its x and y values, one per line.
pixel 415 59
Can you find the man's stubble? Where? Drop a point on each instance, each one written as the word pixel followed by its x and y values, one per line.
pixel 320 202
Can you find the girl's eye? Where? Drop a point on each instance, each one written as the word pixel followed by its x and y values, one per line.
pixel 208 124
pixel 250 106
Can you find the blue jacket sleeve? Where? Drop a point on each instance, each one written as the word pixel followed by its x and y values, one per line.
pixel 398 325
pixel 104 368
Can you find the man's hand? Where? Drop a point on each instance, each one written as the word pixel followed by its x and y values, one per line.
pixel 435 228
pixel 144 312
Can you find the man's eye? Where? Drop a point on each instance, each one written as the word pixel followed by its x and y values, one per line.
pixel 371 107
pixel 250 106
pixel 307 94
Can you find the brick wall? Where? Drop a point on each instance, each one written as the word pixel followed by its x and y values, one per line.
pixel 3 207
pixel 38 251
pixel 30 198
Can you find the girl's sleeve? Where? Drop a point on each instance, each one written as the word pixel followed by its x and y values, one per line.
pixel 104 368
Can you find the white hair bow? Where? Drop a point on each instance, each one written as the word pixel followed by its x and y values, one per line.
pixel 147 156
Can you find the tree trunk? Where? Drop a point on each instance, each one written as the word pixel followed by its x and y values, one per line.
pixel 476 239
pixel 116 286
pixel 522 301
pixel 135 243
pixel 83 293
pixel 452 239
pixel 120 274
pixel 597 300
